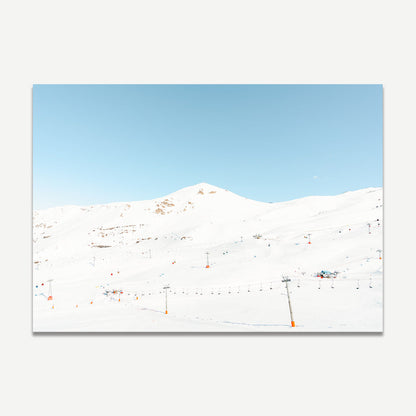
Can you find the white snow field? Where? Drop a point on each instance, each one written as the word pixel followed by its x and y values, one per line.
pixel 109 264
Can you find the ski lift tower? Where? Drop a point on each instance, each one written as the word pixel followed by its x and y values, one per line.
pixel 50 289
pixel 166 298
pixel 286 280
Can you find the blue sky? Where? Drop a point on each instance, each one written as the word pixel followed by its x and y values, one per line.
pixel 95 144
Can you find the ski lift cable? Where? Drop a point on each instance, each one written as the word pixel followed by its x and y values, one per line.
pixel 239 287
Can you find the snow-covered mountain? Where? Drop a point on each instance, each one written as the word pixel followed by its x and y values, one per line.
pixel 93 253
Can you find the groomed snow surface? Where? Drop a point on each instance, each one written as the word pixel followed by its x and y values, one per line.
pixel 109 264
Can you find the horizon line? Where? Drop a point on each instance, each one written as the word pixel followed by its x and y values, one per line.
pixel 196 185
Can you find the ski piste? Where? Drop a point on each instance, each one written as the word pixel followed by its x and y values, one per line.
pixel 221 255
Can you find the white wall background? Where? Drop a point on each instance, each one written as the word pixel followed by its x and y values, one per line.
pixel 206 42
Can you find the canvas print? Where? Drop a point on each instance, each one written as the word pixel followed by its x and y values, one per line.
pixel 207 208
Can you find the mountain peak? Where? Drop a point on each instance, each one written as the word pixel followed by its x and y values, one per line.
pixel 206 186
pixel 195 191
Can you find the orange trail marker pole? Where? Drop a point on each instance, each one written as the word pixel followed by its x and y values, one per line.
pixel 286 280
pixel 379 252
pixel 207 266
pixel 309 242
pixel 50 289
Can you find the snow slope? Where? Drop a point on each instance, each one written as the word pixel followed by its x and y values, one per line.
pixel 96 252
